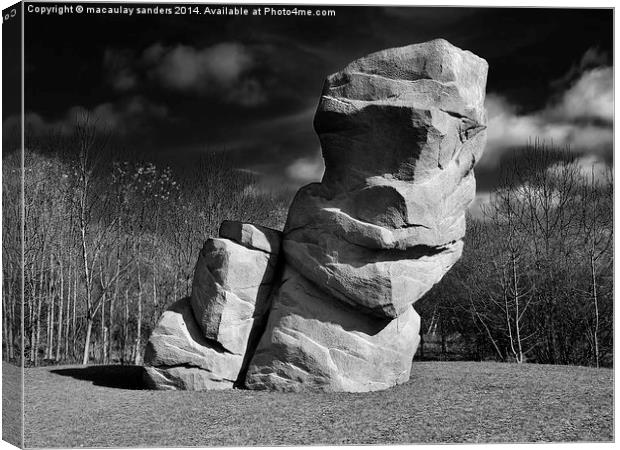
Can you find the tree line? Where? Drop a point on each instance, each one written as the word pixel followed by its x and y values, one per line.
pixel 109 244
pixel 535 283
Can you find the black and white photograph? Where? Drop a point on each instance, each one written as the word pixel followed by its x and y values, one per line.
pixel 307 224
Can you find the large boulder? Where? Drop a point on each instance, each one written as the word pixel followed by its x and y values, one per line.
pixel 328 304
pixel 315 343
pixel 400 131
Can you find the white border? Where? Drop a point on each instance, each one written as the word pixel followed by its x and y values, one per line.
pixel 479 3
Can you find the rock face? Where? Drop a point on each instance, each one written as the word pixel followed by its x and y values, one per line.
pixel 231 288
pixel 401 131
pixel 315 343
pixel 178 356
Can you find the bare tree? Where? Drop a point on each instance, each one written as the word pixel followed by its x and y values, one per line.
pixel 95 223
pixel 596 230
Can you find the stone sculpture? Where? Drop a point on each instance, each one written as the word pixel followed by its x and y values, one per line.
pixel 400 131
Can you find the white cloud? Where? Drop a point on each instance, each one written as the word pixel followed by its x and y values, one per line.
pixel 581 119
pixel 592 58
pixel 186 68
pixel 591 168
pixel 222 69
pixel 120 118
pixel 591 97
pixel 527 194
pixel 306 169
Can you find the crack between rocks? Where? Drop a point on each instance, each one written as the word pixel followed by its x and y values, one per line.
pixel 414 225
pixel 458 115
pixel 423 249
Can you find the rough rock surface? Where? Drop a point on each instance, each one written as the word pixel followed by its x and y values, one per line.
pixel 178 356
pixel 328 304
pixel 401 131
pixel 231 289
pixel 318 344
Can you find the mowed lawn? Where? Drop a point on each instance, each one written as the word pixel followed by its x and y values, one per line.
pixel 100 406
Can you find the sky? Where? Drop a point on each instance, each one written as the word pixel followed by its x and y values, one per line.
pixel 177 86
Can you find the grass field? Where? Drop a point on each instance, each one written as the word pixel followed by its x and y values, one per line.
pixel 443 402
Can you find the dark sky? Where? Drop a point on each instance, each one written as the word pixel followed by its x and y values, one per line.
pixel 175 86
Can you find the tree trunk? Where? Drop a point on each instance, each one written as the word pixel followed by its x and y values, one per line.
pixel 37 317
pixel 48 326
pixel 111 328
pixel 136 355
pixel 516 297
pixel 125 328
pixel 105 345
pixel 89 328
pixel 68 312
pixel 73 318
pixel 103 330
pixel 12 302
pixel 136 359
pixel 60 310
pixel 37 339
pixel 33 327
pixel 30 305
pixel 596 313
pixel 6 322
pixel 52 297
pixel 111 313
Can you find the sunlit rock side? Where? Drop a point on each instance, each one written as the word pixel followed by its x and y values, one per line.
pixel 315 343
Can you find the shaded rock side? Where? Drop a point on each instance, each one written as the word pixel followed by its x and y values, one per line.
pixel 314 343
pixel 178 356
pixel 231 286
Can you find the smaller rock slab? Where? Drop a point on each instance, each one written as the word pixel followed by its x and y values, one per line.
pixel 231 287
pixel 179 357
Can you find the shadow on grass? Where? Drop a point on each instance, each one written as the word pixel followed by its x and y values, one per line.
pixel 119 377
